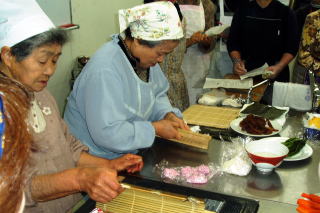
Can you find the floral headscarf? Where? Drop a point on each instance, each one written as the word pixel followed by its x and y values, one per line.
pixel 152 22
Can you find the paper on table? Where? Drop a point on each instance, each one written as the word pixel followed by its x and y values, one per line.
pixel 216 30
pixel 255 72
pixel 228 83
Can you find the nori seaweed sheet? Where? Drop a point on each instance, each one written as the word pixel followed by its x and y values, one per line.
pixel 264 111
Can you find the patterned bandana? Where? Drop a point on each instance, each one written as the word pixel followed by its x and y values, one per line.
pixel 152 22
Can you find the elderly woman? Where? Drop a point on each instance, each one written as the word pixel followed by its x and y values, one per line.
pixel 309 52
pixel 61 166
pixel 119 101
pixel 15 144
pixel 171 67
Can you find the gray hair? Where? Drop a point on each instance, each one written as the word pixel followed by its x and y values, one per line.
pixel 24 49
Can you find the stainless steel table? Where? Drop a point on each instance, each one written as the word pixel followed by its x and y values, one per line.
pixel 278 190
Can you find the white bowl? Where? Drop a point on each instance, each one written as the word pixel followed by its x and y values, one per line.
pixel 266 155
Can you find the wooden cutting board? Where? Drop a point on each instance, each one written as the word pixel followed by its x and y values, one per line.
pixel 257 92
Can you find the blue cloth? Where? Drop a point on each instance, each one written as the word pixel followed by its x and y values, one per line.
pixel 110 109
pixel 2 129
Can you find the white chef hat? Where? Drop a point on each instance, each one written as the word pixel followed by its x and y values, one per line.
pixel 20 20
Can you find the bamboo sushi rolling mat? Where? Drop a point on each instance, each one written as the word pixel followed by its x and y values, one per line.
pixel 210 116
pixel 142 200
pixel 193 139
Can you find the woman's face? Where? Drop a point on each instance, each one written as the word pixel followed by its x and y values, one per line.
pixel 151 56
pixel 35 70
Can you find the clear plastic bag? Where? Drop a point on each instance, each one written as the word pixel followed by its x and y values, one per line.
pixel 234 159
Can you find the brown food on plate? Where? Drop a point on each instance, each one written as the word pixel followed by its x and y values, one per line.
pixel 257 125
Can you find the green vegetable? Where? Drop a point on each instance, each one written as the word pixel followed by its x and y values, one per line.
pixel 294 145
pixel 262 110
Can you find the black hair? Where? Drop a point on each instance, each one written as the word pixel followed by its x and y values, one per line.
pixel 24 48
pixel 150 44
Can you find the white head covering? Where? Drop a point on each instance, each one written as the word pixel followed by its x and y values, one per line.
pixel 20 20
pixel 152 22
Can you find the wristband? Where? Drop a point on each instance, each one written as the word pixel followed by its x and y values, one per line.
pixel 236 60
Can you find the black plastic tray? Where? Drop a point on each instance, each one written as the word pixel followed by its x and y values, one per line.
pixel 232 204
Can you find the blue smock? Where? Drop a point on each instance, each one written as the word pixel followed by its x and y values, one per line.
pixel 111 109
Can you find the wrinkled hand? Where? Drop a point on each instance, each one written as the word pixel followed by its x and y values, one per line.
pixel 100 183
pixel 129 162
pixel 196 38
pixel 167 129
pixel 172 117
pixel 275 69
pixel 239 68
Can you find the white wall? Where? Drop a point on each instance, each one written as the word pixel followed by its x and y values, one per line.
pixel 98 21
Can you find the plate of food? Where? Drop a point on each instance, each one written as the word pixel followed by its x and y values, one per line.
pixel 298 148
pixel 255 126
pixel 304 153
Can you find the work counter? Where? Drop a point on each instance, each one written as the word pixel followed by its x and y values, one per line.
pixel 276 192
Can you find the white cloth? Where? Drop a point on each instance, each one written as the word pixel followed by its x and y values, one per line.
pixel 195 19
pixel 221 64
pixel 296 96
pixel 36 118
pixel 195 64
pixel 224 19
pixel 20 20
pixel 152 22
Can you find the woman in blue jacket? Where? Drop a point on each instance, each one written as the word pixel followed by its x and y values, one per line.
pixel 119 101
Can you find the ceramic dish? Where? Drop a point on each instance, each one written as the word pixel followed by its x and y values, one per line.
pixel 304 153
pixel 235 125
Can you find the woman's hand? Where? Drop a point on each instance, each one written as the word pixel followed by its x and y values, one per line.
pixel 129 162
pixel 239 67
pixel 100 183
pixel 167 129
pixel 275 69
pixel 172 117
pixel 196 38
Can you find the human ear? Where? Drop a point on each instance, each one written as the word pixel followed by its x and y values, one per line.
pixel 6 56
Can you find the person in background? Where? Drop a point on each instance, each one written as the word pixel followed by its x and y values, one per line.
pixel 303 11
pixel 309 51
pixel 61 166
pixel 300 70
pixel 15 144
pixel 263 31
pixel 119 101
pixel 171 67
pixel 199 15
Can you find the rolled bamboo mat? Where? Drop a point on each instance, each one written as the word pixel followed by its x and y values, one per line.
pixel 193 139
pixel 210 116
pixel 141 200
